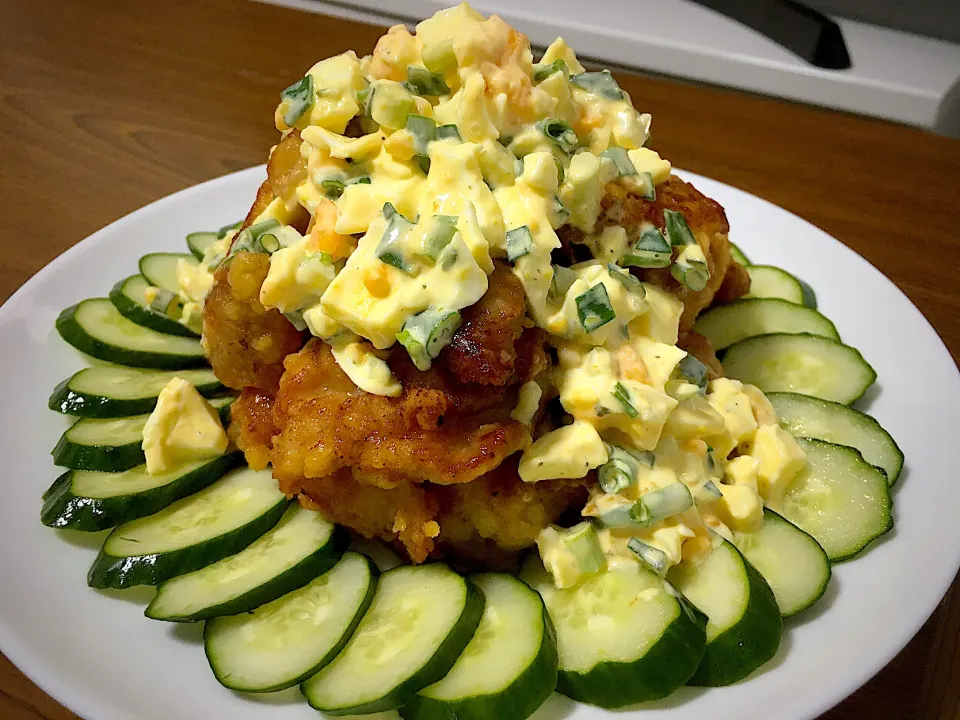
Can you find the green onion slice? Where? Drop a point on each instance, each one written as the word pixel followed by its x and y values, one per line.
pixel 300 97
pixel 594 308
pixel 519 242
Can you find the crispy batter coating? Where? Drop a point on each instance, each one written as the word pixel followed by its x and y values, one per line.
pixel 404 514
pixel 706 218
pixel 502 508
pixel 286 169
pixel 251 426
pixel 437 429
pixel 483 349
pixel 245 342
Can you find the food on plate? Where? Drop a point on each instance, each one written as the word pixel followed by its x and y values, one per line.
pixel 469 314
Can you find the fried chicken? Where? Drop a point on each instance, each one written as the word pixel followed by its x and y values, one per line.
pixel 433 471
pixel 437 430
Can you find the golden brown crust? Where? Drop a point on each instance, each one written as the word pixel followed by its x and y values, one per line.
pixel 437 430
pixel 251 426
pixel 245 342
pixel 625 207
pixel 483 349
pixel 403 514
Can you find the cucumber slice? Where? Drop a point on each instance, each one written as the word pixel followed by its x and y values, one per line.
pixel 97 328
pixel 794 565
pixel 737 254
pixel 509 668
pixel 744 625
pixel 805 364
pixel 128 297
pixel 111 445
pixel 726 325
pixel 839 498
pixel 767 281
pixel 622 636
pixel 160 269
pixel 419 623
pixel 285 641
pixel 90 500
pixel 804 416
pixel 192 533
pixel 198 242
pixel 113 391
pixel 302 546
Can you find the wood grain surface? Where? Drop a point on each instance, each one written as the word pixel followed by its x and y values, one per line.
pixel 106 106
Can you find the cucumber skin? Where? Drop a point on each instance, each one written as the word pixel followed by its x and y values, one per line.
pixel 106 458
pixel 670 663
pixel 66 401
pixel 210 626
pixel 292 579
pixel 722 356
pixel 144 316
pixel 108 571
pixel 889 504
pixel 62 509
pixel 517 702
pixel 439 665
pixel 755 637
pixel 74 334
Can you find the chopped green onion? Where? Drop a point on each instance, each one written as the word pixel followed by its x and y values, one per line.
pixel 678 232
pixel 621 161
pixel 505 140
pixel 363 99
pixel 558 212
pixel 691 272
pixel 426 82
pixel 622 394
pixel 563 278
pixel 424 131
pixel 560 133
pixel 333 188
pixel 644 183
pixel 651 251
pixel 594 308
pixel 541 71
pixel 652 557
pixel 626 279
pixel 694 372
pixel 439 56
pixel 425 334
pixel 449 132
pixel 392 248
pixel 269 243
pixel 362 180
pixel 441 232
pixel 600 83
pixel 711 491
pixel 620 470
pixel 300 97
pixel 654 506
pixel 519 242
pixel 448 258
pixel 163 301
pixel 249 239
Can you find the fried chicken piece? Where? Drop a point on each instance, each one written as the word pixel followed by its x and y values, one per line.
pixel 251 426
pixel 483 350
pixel 437 429
pixel 286 169
pixel 245 342
pixel 405 514
pixel 501 507
pixel 698 346
pixel 625 207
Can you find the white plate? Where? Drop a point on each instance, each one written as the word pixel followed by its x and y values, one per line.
pixel 97 654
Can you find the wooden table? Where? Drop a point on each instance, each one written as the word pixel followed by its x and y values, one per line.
pixel 109 105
